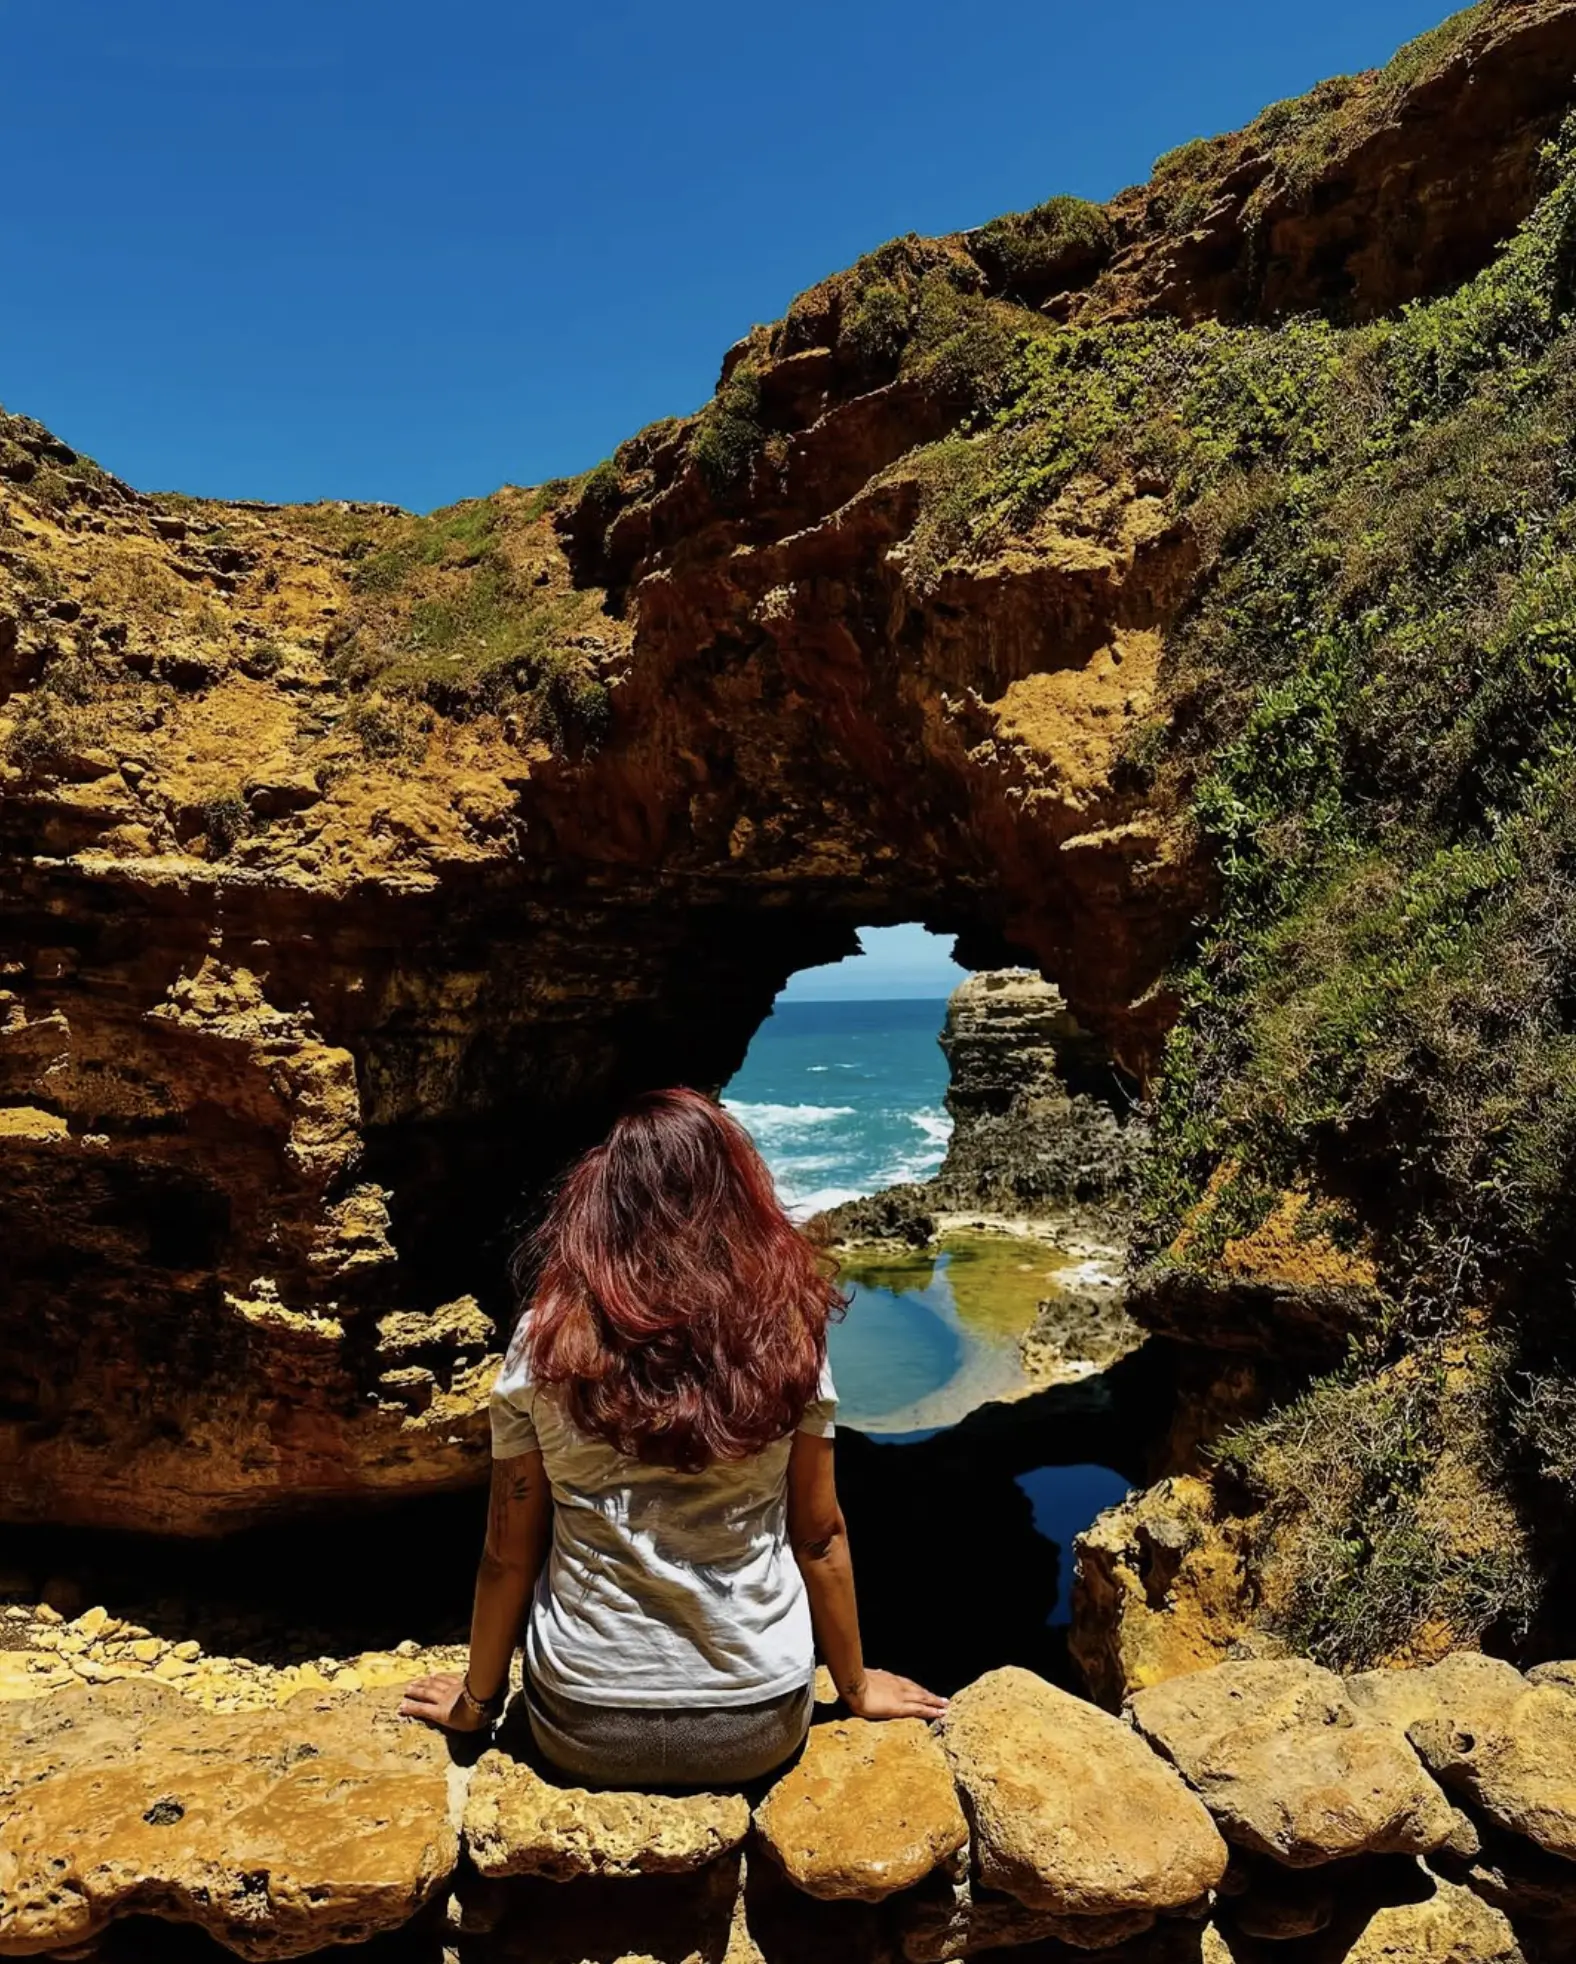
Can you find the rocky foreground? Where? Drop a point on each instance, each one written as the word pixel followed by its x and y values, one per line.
pixel 1255 1810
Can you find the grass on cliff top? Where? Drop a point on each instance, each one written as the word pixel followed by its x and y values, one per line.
pixel 1304 133
pixel 470 609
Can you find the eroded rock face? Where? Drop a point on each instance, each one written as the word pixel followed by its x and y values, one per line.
pixel 1158 1591
pixel 866 1811
pixel 1034 1100
pixel 308 982
pixel 1509 1753
pixel 266 1085
pixel 324 1822
pixel 518 1823
pixel 1071 1812
pixel 1288 1767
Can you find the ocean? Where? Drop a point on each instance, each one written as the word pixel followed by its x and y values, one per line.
pixel 845 1098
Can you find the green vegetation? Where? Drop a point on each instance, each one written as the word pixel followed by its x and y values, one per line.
pixel 66 714
pixel 1375 1523
pixel 457 536
pixel 1032 253
pixel 878 323
pixel 464 610
pixel 729 434
pixel 1304 133
pixel 1373 728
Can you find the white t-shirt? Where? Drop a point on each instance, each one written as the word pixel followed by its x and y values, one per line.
pixel 662 1588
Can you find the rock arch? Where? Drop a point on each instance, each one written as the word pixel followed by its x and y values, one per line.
pixel 272 1113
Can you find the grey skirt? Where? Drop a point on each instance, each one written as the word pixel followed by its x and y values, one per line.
pixel 667 1745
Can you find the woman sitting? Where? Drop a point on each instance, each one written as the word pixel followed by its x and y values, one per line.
pixel 662 1492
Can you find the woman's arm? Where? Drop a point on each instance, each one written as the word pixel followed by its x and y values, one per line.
pixel 519 1520
pixel 818 1535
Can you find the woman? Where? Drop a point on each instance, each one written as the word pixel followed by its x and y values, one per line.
pixel 662 1492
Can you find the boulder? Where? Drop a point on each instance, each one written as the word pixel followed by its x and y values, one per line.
pixel 1513 1760
pixel 1447 1925
pixel 323 1821
pixel 867 1810
pixel 1070 1811
pixel 1160 1589
pixel 517 1823
pixel 1464 1681
pixel 1289 1767
pixel 945 1920
pixel 1560 1674
pixel 1504 1743
pixel 1450 1926
pixel 1517 1877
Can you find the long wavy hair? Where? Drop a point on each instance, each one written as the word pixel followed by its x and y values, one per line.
pixel 678 1310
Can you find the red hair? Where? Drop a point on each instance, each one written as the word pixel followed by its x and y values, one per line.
pixel 680 1311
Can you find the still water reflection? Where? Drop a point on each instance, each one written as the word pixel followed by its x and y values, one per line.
pixel 930 1335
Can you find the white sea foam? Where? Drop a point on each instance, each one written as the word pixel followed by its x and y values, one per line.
pixel 936 1126
pixel 801 1206
pixel 914 1166
pixel 791 1167
pixel 775 1125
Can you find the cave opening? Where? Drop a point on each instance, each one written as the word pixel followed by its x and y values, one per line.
pixel 849 1092
pixel 963 1488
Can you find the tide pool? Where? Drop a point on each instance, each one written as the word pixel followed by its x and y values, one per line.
pixel 930 1335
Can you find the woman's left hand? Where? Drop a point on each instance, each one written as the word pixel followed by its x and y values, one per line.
pixel 440 1700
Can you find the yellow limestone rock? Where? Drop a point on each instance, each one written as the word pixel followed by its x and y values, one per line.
pixel 947 1919
pixel 517 1823
pixel 278 1832
pixel 1452 1926
pixel 1506 1746
pixel 1071 1810
pixel 867 1810
pixel 1289 1767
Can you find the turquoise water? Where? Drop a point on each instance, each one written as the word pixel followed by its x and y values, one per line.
pixel 895 1348
pixel 845 1098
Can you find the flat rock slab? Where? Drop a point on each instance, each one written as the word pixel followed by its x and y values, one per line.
pixel 323 1821
pixel 1464 1681
pixel 1289 1767
pixel 1071 1811
pixel 867 1810
pixel 517 1823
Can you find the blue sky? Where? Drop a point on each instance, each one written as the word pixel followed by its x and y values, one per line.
pixel 897 962
pixel 338 248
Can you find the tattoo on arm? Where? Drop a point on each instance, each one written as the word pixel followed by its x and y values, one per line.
pixel 508 1490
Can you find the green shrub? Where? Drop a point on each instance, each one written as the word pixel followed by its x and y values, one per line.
pixel 729 435
pixel 1033 253
pixel 877 326
pixel 1385 1519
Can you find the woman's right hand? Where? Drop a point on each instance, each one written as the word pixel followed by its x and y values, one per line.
pixel 884 1695
pixel 440 1700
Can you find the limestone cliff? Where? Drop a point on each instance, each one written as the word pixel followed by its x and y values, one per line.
pixel 1079 586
